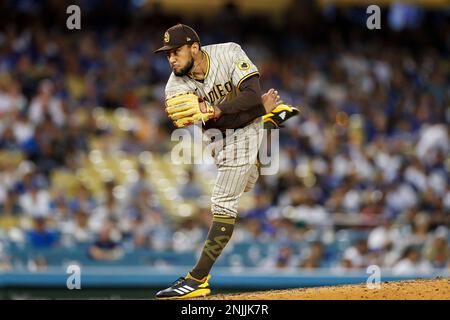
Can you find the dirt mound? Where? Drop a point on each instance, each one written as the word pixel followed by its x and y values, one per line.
pixel 430 289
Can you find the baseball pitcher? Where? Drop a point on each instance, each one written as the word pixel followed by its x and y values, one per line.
pixel 218 86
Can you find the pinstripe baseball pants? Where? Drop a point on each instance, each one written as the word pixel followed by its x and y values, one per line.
pixel 235 158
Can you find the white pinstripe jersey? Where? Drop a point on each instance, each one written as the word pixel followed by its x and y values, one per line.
pixel 228 67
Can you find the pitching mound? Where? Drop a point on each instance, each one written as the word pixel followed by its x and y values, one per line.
pixel 433 289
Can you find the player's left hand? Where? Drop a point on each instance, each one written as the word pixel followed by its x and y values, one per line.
pixel 186 108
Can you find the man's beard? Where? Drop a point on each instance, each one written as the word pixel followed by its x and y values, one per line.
pixel 185 70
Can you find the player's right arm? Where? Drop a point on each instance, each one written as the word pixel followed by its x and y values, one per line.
pixel 239 119
pixel 248 105
pixel 245 78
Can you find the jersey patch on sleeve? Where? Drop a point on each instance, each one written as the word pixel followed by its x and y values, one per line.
pixel 243 65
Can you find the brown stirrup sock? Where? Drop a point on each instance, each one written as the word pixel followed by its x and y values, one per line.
pixel 218 236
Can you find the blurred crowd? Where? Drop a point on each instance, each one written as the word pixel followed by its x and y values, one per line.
pixel 369 153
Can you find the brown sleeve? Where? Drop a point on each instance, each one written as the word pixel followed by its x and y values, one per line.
pixel 251 109
pixel 247 99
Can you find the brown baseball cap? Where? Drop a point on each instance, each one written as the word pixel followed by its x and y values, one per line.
pixel 177 36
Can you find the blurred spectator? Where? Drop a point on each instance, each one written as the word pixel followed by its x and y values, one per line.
pixel 161 231
pixel 358 254
pixel 433 138
pixel 417 234
pixel 284 229
pixel 437 251
pixel 286 258
pixel 142 184
pixel 60 209
pixel 18 101
pixel 446 199
pixel 35 202
pixel 105 248
pixel 251 230
pixel 37 264
pixel 260 207
pixel 110 209
pixel 382 237
pixel 76 229
pixel 41 236
pixel 190 190
pixel 412 263
pixel 11 99
pixel 205 218
pixel 385 243
pixel 82 200
pixel 140 234
pixel 305 209
pixel 345 265
pixel 131 144
pixel 141 202
pixel 315 256
pixel 188 236
pixel 5 259
pixel 10 205
pixel 46 104
pixel 400 197
pixel 148 228
pixel 8 141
